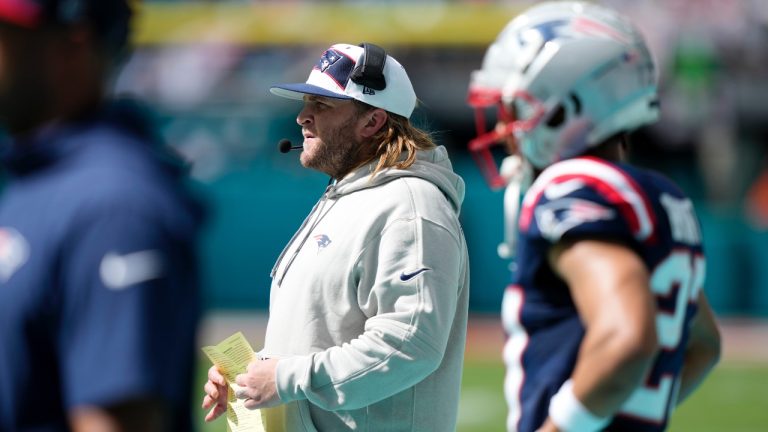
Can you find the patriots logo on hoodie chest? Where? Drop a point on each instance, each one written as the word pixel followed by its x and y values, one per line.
pixel 323 241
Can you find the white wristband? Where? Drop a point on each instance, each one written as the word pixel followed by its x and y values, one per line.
pixel 568 413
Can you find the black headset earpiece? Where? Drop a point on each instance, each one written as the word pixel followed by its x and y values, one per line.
pixel 369 71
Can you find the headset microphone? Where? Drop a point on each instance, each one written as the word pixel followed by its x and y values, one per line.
pixel 285 146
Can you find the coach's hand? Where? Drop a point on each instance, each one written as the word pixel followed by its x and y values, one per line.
pixel 215 394
pixel 257 384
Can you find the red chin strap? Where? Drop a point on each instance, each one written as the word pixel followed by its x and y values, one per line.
pixel 480 148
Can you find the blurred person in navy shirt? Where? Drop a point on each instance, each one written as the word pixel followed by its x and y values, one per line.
pixel 99 299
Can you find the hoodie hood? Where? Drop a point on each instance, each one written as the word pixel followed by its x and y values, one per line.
pixel 431 165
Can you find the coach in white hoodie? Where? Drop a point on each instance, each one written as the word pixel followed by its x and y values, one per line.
pixel 368 306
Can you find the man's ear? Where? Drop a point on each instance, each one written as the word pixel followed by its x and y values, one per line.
pixel 373 122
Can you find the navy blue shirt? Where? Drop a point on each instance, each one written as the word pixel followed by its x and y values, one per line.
pixel 588 198
pixel 99 298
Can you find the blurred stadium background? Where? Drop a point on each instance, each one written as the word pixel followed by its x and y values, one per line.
pixel 206 66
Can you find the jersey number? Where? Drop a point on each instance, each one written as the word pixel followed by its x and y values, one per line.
pixel 680 278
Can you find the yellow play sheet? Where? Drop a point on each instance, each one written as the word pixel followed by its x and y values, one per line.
pixel 232 356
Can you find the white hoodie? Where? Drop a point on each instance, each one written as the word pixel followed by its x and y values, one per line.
pixel 368 304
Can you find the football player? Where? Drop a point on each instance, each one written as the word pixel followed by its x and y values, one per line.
pixel 607 323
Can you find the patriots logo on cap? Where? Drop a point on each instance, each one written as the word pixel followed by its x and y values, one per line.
pixel 337 66
pixel 329 57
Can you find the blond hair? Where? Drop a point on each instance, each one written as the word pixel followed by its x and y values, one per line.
pixel 397 136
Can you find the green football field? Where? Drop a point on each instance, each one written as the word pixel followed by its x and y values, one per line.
pixel 733 399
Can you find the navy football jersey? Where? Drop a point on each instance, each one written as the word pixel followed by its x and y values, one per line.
pixel 590 198
pixel 99 299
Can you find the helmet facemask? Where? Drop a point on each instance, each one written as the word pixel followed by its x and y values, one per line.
pixel 508 128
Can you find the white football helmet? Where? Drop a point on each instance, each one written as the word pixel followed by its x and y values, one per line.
pixel 563 76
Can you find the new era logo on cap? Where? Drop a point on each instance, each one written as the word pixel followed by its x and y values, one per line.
pixel 330 77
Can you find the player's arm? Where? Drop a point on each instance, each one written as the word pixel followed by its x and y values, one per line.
pixel 129 323
pixel 138 415
pixel 609 284
pixel 703 349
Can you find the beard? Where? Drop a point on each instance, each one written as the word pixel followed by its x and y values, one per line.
pixel 337 153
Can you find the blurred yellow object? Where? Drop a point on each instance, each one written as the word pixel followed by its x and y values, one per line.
pixel 454 24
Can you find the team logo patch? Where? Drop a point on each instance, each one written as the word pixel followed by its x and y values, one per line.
pixel 337 66
pixel 555 218
pixel 14 252
pixel 329 57
pixel 322 241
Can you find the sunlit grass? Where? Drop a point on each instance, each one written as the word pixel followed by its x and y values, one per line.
pixel 734 399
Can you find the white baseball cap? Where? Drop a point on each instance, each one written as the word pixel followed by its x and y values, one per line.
pixel 353 72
